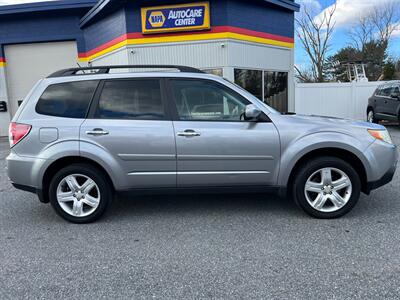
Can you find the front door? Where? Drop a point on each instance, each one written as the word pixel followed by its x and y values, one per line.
pixel 392 103
pixel 129 122
pixel 215 147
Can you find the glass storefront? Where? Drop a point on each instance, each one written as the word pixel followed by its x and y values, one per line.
pixel 250 80
pixel 276 90
pixel 269 86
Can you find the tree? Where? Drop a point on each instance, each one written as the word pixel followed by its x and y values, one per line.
pixel 389 70
pixel 373 55
pixel 371 35
pixel 315 35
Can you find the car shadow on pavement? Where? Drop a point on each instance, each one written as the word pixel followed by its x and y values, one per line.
pixel 201 204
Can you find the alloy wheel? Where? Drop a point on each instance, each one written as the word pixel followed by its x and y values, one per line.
pixel 78 195
pixel 328 189
pixel 370 117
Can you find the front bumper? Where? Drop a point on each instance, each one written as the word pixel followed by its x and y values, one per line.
pixel 385 179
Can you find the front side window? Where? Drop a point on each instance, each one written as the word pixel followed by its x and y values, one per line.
pixel 131 99
pixel 205 100
pixel 386 91
pixel 396 90
pixel 378 91
pixel 68 100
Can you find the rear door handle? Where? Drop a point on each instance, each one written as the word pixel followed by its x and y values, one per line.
pixel 189 133
pixel 97 132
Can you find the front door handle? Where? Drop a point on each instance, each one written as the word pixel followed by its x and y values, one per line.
pixel 97 132
pixel 189 133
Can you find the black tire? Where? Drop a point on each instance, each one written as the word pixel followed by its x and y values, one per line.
pixel 374 120
pixel 308 169
pixel 103 184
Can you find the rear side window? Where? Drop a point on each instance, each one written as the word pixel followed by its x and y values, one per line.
pixel 68 100
pixel 131 99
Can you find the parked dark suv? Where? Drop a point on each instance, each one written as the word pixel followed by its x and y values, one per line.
pixel 385 103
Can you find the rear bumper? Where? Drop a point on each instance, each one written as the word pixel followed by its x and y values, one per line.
pixel 31 189
pixel 23 170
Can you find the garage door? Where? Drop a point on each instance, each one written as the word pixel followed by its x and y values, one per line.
pixel 27 63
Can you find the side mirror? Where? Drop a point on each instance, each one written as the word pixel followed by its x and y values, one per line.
pixel 252 113
pixel 395 95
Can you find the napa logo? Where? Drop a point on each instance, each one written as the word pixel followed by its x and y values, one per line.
pixel 157 19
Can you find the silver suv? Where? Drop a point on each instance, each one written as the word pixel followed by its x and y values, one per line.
pixel 78 138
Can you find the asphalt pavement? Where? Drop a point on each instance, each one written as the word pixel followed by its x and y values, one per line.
pixel 200 246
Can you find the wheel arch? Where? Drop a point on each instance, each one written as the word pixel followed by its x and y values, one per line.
pixel 60 163
pixel 346 155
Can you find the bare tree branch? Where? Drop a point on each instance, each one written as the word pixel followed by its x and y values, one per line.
pixel 315 35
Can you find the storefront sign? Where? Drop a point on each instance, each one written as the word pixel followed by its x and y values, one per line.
pixel 172 18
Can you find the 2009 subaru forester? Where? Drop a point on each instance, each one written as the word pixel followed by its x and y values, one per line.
pixel 78 138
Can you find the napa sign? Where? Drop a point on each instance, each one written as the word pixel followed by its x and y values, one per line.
pixel 172 18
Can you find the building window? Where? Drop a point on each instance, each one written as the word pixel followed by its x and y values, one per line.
pixel 269 86
pixel 251 80
pixel 216 71
pixel 276 90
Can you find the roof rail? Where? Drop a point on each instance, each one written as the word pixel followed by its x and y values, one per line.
pixel 106 69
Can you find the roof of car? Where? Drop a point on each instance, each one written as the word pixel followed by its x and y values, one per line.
pixel 389 82
pixel 106 69
pixel 123 75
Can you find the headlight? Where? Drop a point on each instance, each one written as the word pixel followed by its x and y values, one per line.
pixel 382 135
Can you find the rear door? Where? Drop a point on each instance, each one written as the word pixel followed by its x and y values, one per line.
pixel 215 147
pixel 128 120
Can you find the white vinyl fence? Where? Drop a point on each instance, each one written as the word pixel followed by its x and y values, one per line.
pixel 344 100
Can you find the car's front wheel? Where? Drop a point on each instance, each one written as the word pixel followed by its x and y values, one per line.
pixel 371 116
pixel 80 193
pixel 326 187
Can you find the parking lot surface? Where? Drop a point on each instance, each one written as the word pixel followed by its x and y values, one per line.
pixel 200 246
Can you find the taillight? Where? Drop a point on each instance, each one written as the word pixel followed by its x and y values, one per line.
pixel 17 131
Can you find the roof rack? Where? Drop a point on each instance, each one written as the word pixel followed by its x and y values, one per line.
pixel 106 69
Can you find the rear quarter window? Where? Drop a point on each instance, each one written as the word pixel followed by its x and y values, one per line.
pixel 68 100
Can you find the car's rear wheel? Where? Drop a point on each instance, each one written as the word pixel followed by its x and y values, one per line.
pixel 371 116
pixel 326 187
pixel 80 193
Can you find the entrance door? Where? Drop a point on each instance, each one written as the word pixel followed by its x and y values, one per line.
pixel 214 146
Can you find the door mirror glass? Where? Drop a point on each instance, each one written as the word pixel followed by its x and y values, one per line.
pixel 252 113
